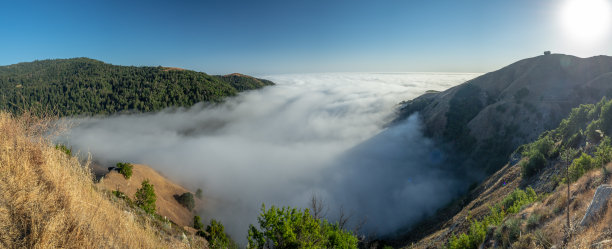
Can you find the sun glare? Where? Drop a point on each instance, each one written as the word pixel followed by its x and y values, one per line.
pixel 586 20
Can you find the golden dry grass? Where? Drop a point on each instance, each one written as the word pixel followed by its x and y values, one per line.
pixel 48 200
pixel 552 208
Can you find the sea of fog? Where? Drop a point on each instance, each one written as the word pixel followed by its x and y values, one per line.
pixel 321 134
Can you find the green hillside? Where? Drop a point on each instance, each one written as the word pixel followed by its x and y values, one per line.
pixel 83 86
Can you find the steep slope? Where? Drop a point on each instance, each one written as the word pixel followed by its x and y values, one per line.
pixel 581 146
pixel 48 200
pixel 494 113
pixel 164 190
pixel 83 86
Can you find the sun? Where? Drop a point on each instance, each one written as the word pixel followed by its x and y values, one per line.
pixel 586 20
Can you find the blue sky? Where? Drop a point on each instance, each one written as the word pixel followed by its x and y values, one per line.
pixel 289 36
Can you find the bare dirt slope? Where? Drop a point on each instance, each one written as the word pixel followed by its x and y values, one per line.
pixel 165 190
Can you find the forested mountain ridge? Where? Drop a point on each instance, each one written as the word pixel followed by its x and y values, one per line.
pixel 495 113
pixel 83 86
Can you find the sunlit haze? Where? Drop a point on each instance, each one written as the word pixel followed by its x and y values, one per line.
pixel 587 20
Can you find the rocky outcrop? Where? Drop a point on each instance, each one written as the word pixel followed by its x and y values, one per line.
pixel 598 204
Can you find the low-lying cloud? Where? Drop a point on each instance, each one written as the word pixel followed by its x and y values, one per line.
pixel 313 133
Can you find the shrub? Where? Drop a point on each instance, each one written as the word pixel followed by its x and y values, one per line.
pixel 593 131
pixel 508 233
pixel 606 118
pixel 198 193
pixel 217 238
pixel 576 120
pixel 125 169
pixel 145 197
pixel 517 199
pixel 603 154
pixel 119 194
pixel 461 242
pixel 513 202
pixel 514 229
pixel 534 220
pixel 544 145
pixel 496 215
pixel 579 166
pixel 537 152
pixel 63 148
pixel 197 223
pixel 294 228
pixel 186 199
pixel 533 164
pixel 574 140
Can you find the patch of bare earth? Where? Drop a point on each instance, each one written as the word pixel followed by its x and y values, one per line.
pixel 165 190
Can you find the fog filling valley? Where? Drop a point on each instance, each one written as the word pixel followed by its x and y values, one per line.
pixel 320 134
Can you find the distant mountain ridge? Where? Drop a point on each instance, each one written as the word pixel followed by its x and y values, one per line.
pixel 83 86
pixel 495 113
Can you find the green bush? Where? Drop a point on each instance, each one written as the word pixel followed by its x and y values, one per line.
pixel 536 154
pixel 544 145
pixel 508 233
pixel 531 166
pixel 198 193
pixel 217 238
pixel 197 222
pixel 603 154
pixel 145 197
pixel 513 202
pixel 606 118
pixel 63 148
pixel 593 131
pixel 574 140
pixel 186 199
pixel 459 242
pixel 579 166
pixel 294 228
pixel 123 196
pixel 534 221
pixel 125 169
pixel 576 120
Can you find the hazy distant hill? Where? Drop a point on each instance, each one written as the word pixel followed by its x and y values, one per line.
pixel 488 117
pixel 86 86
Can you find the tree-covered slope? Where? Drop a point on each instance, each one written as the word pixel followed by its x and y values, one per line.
pixel 83 86
pixel 244 82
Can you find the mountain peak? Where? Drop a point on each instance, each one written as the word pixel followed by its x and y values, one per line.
pixel 496 112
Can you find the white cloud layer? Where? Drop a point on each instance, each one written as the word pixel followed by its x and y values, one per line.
pixel 312 133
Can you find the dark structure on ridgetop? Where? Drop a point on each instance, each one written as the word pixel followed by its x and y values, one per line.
pixel 546 52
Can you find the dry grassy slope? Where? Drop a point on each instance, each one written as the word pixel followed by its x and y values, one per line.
pixel 164 190
pixel 48 200
pixel 504 181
